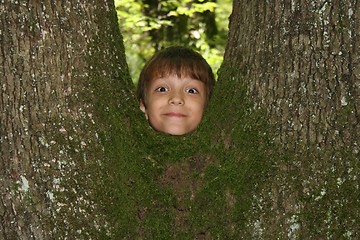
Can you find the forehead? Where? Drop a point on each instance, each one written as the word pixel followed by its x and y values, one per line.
pixel 180 67
pixel 176 80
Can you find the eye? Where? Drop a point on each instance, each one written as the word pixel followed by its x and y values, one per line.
pixel 192 91
pixel 161 89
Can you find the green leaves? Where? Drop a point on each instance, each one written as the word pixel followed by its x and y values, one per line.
pixel 190 9
pixel 148 27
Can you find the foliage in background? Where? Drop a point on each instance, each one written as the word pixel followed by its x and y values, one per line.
pixel 148 26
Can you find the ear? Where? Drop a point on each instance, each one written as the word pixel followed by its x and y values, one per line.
pixel 143 108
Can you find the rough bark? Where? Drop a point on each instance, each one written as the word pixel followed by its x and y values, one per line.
pixel 299 61
pixel 77 160
pixel 55 56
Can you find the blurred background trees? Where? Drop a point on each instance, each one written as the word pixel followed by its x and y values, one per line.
pixel 151 25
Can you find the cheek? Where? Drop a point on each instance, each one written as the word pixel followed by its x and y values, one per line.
pixel 155 104
pixel 153 107
pixel 199 104
pixel 198 111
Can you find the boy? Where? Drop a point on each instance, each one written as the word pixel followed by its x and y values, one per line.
pixel 174 88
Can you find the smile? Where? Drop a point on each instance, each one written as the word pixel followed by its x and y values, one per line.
pixel 174 114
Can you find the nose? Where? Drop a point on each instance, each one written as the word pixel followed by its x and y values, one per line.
pixel 176 99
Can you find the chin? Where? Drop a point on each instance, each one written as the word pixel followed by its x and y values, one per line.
pixel 175 132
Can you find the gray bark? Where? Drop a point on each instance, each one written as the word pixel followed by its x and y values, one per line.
pixel 299 61
pixel 78 161
pixel 51 154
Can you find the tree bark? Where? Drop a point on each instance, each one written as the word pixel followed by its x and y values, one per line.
pixel 275 157
pixel 55 57
pixel 298 61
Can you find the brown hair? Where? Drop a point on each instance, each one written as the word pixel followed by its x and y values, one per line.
pixel 178 60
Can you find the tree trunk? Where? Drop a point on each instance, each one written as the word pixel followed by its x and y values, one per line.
pixel 299 61
pixel 60 61
pixel 79 161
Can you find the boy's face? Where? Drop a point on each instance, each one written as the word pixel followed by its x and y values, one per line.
pixel 174 105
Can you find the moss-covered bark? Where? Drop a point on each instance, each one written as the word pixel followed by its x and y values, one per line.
pixel 194 186
pixel 78 159
pixel 299 63
pixel 276 156
pixel 54 57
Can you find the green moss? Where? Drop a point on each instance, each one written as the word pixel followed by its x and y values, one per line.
pixel 235 137
pixel 216 182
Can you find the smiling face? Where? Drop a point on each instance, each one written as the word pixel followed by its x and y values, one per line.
pixel 174 105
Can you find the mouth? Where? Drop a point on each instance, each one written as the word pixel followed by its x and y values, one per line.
pixel 174 114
